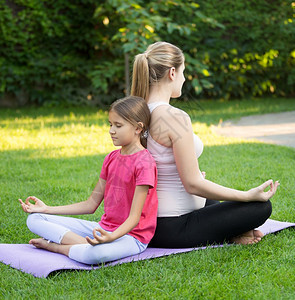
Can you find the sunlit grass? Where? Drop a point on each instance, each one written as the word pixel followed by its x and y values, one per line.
pixel 52 136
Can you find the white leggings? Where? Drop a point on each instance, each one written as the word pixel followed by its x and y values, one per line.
pixel 54 228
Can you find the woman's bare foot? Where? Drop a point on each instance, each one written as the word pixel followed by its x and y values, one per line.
pixel 247 238
pixel 49 246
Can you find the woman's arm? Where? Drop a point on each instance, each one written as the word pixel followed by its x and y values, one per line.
pixel 85 207
pixel 181 136
pixel 138 201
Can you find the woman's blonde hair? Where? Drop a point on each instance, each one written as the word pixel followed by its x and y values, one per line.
pixel 135 111
pixel 153 65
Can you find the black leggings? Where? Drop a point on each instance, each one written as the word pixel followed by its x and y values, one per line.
pixel 215 223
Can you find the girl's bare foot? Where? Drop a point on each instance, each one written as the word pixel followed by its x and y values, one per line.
pixel 247 238
pixel 52 247
pixel 42 244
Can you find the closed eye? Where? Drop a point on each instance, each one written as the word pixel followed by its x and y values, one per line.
pixel 118 125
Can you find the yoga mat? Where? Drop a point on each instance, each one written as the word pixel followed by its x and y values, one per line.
pixel 41 263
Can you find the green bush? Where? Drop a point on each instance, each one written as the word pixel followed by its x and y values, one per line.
pixel 254 54
pixel 46 49
pixel 59 51
pixel 75 51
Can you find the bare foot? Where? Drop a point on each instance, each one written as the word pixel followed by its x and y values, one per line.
pixel 247 238
pixel 41 243
pixel 49 246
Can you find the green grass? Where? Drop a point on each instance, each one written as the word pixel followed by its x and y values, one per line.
pixel 56 155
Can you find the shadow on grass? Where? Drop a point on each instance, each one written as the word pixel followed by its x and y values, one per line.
pixel 238 165
pixel 205 111
pixel 214 111
pixel 60 181
pixel 245 166
pixel 57 181
pixel 27 165
pixel 248 162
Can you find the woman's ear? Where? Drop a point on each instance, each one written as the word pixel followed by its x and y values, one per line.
pixel 171 73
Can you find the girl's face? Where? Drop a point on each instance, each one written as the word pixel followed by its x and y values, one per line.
pixel 124 133
pixel 178 81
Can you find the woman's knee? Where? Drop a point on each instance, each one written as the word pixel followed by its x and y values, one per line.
pixel 267 208
pixel 261 210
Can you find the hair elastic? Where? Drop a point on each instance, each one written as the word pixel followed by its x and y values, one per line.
pixel 145 134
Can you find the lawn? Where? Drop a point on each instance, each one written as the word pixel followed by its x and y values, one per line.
pixel 56 154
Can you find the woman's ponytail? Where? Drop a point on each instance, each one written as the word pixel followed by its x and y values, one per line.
pixel 140 77
pixel 152 66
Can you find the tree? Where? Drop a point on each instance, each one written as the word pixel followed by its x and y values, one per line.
pixel 130 26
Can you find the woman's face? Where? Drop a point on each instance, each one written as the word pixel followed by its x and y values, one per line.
pixel 178 81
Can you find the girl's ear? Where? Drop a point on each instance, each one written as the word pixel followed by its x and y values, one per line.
pixel 139 127
pixel 171 73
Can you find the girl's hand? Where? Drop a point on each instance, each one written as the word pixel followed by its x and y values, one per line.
pixel 258 193
pixel 203 174
pixel 28 207
pixel 106 237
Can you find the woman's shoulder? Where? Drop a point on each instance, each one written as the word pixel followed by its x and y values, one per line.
pixel 169 124
pixel 169 112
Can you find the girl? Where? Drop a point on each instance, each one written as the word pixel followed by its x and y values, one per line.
pixel 186 218
pixel 127 184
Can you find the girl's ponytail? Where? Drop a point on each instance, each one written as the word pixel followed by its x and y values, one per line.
pixel 140 77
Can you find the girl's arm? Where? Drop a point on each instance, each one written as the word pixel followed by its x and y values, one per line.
pixel 85 207
pixel 138 201
pixel 181 135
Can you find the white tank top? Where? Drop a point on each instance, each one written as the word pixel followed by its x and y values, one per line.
pixel 172 196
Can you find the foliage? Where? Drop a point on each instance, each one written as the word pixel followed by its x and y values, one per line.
pixel 254 54
pixel 45 48
pixel 53 51
pixel 70 51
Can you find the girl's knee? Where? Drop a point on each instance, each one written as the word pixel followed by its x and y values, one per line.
pixel 99 255
pixel 87 254
pixel 32 219
pixel 103 253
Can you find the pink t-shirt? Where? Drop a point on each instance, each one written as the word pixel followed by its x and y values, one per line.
pixel 122 174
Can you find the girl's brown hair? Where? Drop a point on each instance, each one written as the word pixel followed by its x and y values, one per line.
pixel 153 65
pixel 135 111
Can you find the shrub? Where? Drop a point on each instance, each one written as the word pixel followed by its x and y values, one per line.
pixel 75 51
pixel 254 54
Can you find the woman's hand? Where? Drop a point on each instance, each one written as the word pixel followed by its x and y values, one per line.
pixel 28 207
pixel 105 237
pixel 258 193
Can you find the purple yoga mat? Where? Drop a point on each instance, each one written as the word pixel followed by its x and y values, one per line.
pixel 41 263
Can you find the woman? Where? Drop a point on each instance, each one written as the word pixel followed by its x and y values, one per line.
pixel 186 218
